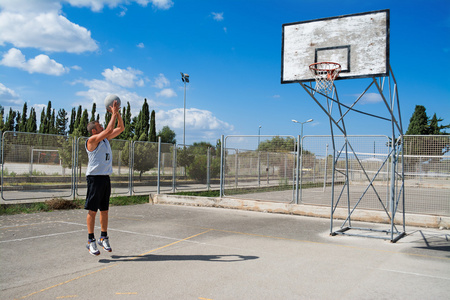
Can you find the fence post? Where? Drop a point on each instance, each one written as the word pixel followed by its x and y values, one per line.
pixel 130 170
pixel 208 166
pixel 159 166
pixel 236 168
pixel 326 169
pixel 222 167
pixel 297 170
pixel 174 168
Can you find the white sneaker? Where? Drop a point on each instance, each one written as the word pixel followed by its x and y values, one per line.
pixel 92 247
pixel 104 242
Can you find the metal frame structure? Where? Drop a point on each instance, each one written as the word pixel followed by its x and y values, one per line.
pixel 388 90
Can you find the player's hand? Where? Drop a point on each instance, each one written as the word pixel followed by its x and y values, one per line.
pixel 115 107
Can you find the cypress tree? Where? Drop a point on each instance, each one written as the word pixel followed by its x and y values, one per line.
pixel 52 123
pixel 145 118
pixel 48 118
pixel 23 121
pixel 41 123
pixel 17 122
pixel 78 118
pixel 418 122
pixel 94 108
pixel 73 116
pixel 152 134
pixel 31 122
pixel 9 123
pixel 61 122
pixel 83 123
pixel 2 113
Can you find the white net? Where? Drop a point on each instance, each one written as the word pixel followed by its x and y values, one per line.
pixel 325 73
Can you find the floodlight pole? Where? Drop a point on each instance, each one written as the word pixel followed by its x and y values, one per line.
pixel 185 79
pixel 259 157
pixel 299 161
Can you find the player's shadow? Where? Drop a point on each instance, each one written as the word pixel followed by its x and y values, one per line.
pixel 158 257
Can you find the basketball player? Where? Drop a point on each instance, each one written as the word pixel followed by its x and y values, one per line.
pixel 97 177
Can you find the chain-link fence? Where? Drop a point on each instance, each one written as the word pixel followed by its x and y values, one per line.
pixel 267 173
pixel 36 166
pixel 43 166
pixel 427 173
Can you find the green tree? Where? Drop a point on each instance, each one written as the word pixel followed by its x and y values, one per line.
pixel 10 120
pixel 126 116
pixel 278 144
pixel 142 124
pixel 23 120
pixel 435 129
pixel 61 122
pixel 52 123
pixel 76 125
pixel 73 117
pixel 167 135
pixel 17 122
pixel 83 123
pixel 31 122
pixel 418 124
pixel 2 114
pixel 42 122
pixel 94 108
pixel 152 134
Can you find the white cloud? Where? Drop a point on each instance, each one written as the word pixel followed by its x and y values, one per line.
pixel 140 45
pixel 217 16
pixel 97 5
pixel 47 31
pixel 41 24
pixel 370 98
pixel 161 81
pixel 160 4
pixel 125 78
pixel 200 124
pixel 40 64
pixel 167 93
pixel 115 81
pixel 8 97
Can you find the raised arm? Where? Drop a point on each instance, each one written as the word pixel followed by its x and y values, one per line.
pixel 115 109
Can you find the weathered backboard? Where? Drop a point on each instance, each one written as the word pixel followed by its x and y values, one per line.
pixel 359 42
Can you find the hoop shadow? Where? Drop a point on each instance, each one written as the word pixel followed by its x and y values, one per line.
pixel 157 257
pixel 438 242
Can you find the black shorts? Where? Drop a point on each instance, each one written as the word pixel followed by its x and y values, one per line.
pixel 98 193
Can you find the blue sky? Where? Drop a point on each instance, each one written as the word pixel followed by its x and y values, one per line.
pixel 75 52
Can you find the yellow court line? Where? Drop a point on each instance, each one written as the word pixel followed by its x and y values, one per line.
pixel 73 279
pixel 67 281
pixel 193 236
pixel 130 293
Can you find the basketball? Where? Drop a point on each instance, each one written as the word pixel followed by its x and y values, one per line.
pixel 109 100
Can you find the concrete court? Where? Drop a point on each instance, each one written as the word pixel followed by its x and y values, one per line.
pixel 184 252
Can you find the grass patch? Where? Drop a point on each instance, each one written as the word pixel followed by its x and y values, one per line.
pixel 63 204
pixel 200 193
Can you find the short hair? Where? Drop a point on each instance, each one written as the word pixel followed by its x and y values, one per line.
pixel 91 125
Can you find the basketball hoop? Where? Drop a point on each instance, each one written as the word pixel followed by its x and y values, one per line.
pixel 325 73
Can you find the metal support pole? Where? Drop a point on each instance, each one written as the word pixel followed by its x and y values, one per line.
pixel 222 167
pixel 174 168
pixel 297 170
pixel 208 167
pixel 158 184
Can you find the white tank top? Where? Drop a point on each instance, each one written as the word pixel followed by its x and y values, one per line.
pixel 100 160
